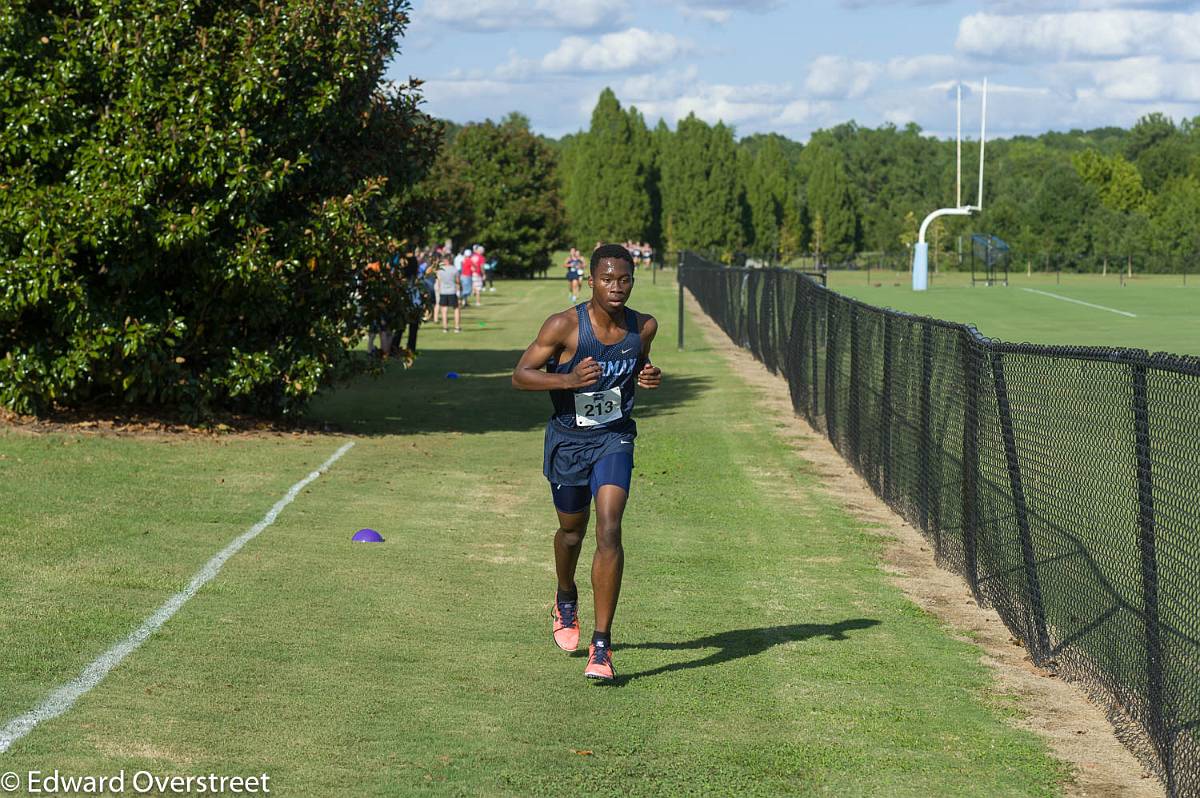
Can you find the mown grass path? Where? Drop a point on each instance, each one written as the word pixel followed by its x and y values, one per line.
pixel 762 650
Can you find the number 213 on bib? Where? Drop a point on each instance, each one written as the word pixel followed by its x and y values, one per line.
pixel 596 408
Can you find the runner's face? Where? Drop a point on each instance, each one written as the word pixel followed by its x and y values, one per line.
pixel 611 283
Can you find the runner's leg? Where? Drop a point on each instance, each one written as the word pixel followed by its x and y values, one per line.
pixel 568 543
pixel 609 560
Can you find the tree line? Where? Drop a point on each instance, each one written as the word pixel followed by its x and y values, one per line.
pixel 1084 195
pixel 187 204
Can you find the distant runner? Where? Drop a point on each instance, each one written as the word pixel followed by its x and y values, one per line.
pixel 595 356
pixel 574 267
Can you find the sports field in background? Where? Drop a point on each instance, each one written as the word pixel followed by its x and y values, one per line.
pixel 761 648
pixel 1156 312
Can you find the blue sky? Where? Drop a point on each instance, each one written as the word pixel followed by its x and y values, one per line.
pixel 795 67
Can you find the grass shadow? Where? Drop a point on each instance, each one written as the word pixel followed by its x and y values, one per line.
pixel 741 643
pixel 479 399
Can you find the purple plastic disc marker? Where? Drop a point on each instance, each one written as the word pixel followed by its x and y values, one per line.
pixel 367 536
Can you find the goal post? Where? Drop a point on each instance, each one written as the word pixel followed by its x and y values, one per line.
pixel 920 265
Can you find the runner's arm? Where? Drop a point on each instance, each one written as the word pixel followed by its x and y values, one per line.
pixel 528 375
pixel 650 375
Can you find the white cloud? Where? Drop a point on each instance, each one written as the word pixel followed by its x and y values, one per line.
pixel 732 6
pixel 1079 35
pixel 922 66
pixel 496 15
pixel 659 85
pixel 900 116
pixel 463 89
pixel 720 12
pixel 1054 64
pixel 836 77
pixel 751 108
pixel 630 50
pixel 1138 80
pixel 717 16
pixel 798 112
pixel 873 3
pixel 1044 6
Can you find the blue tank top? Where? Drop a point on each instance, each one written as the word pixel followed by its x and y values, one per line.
pixel 619 364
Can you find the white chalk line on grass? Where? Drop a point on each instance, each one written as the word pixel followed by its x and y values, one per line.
pixel 1080 302
pixel 65 697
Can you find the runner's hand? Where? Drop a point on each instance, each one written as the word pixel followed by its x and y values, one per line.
pixel 650 376
pixel 585 375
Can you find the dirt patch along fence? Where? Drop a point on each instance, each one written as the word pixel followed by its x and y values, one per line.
pixel 1062 483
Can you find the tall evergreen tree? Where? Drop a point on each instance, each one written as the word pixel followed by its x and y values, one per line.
pixel 609 196
pixel 701 188
pixel 662 139
pixel 829 200
pixel 770 184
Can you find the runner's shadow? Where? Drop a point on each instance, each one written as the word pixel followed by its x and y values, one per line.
pixel 740 643
pixel 479 397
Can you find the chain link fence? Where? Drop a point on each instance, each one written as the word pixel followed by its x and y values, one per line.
pixel 1062 483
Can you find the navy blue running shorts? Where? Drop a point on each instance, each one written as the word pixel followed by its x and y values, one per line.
pixel 615 469
pixel 577 464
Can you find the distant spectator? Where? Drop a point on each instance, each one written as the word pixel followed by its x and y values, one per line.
pixel 478 261
pixel 375 305
pixel 466 269
pixel 448 282
pixel 429 278
pixel 489 273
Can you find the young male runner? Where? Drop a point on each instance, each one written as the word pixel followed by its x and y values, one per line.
pixel 574 267
pixel 595 356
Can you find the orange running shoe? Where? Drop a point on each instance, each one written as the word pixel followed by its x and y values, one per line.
pixel 599 665
pixel 564 624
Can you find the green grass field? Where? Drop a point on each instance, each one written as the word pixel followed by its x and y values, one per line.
pixel 1164 309
pixel 762 649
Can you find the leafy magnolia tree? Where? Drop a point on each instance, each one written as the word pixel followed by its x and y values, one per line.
pixel 508 178
pixel 187 193
pixel 609 198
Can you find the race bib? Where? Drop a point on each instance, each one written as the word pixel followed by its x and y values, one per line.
pixel 600 407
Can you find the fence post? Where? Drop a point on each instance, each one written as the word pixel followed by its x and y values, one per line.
pixel 970 458
pixel 831 420
pixel 815 406
pixel 1039 649
pixel 855 392
pixel 926 441
pixel 793 354
pixel 777 337
pixel 885 414
pixel 1149 561
pixel 679 279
